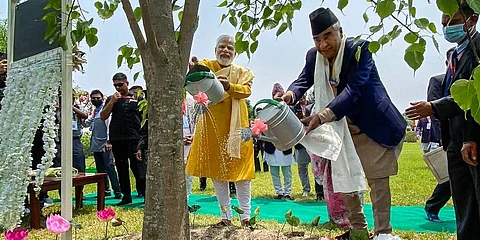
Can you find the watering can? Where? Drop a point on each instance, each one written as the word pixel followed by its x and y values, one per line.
pixel 284 128
pixel 201 79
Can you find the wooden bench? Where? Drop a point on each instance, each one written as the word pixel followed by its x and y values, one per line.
pixel 79 181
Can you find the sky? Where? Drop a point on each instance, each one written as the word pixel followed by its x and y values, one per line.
pixel 277 59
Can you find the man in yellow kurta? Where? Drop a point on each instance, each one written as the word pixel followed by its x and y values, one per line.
pixel 217 150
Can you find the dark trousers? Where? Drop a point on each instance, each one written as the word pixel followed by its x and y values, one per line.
pixel 257 162
pixel 78 155
pixel 104 164
pixel 123 151
pixel 464 181
pixel 440 196
pixel 319 190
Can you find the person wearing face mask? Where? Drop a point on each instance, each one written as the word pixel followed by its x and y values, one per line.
pixel 101 148
pixel 124 135
pixel 217 151
pixel 460 132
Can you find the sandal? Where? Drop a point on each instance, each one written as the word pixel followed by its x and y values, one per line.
pixel 224 223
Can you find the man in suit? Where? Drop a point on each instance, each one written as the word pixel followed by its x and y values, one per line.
pixel 441 194
pixel 377 127
pixel 456 130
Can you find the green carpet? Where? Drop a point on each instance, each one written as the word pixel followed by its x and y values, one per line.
pixel 404 218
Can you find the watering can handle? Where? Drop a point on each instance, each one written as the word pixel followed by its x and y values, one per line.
pixel 197 76
pixel 269 101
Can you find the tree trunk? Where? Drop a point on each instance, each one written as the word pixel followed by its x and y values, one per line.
pixel 165 215
pixel 164 65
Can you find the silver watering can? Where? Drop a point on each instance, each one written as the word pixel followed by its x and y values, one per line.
pixel 284 128
pixel 204 81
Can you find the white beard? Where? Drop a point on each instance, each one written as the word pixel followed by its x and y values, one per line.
pixel 224 61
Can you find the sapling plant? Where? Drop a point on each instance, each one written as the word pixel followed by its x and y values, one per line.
pixel 314 224
pixel 239 211
pixel 193 210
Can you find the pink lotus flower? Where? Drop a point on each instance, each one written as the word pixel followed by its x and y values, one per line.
pixel 16 234
pixel 201 97
pixel 258 126
pixel 57 224
pixel 106 215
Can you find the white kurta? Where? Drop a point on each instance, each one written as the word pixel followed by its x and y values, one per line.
pixel 278 159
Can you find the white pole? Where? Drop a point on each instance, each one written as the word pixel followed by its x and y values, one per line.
pixel 66 126
pixel 11 29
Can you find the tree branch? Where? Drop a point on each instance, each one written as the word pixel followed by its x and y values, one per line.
pixel 398 20
pixel 187 29
pixel 136 31
pixel 147 25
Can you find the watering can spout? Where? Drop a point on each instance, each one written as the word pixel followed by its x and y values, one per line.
pixel 266 138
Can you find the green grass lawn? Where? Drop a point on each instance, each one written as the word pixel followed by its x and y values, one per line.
pixel 412 186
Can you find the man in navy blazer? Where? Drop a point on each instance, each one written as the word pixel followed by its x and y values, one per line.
pixel 377 127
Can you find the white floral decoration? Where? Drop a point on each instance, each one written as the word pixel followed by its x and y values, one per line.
pixel 31 83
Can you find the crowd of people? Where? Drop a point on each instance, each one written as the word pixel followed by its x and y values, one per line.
pixel 349 97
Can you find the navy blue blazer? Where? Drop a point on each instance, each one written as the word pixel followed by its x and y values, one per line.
pixel 361 95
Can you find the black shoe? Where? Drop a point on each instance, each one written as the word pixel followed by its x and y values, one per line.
pixel 288 197
pixel 124 201
pixel 190 209
pixel 278 197
pixel 118 196
pixel 202 189
pixel 320 198
pixel 108 193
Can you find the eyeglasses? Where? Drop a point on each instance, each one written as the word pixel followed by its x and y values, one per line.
pixel 118 84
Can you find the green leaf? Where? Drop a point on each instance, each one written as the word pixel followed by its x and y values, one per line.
pixel 475 5
pixel 137 13
pixel 257 211
pixel 374 29
pixel 422 23
pixel 254 46
pixel 237 210
pixel 223 4
pixel 342 4
pixel 74 15
pixel 119 61
pixel 416 47
pixel 223 17
pixel 414 59
pixel 432 27
pixel 176 8
pixel 289 24
pixel 395 34
pixel 356 39
pixel 475 109
pixel 281 29
pixel 413 11
pixel 254 34
pixel 62 41
pixel 127 51
pixel 358 53
pixel 385 8
pixel 462 92
pixel 277 16
pixel 92 40
pixel 269 24
pixel 384 39
pixel 233 21
pixel 373 46
pixel 297 5
pixel 135 76
pixel 180 16
pixel 410 37
pixel 239 47
pixel 293 221
pixel 288 214
pixel 252 221
pixel 267 12
pixel 315 221
pixel 450 7
pixel 93 31
pixel 365 17
pixel 435 43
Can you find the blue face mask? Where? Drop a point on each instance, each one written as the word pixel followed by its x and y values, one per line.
pixel 454 33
